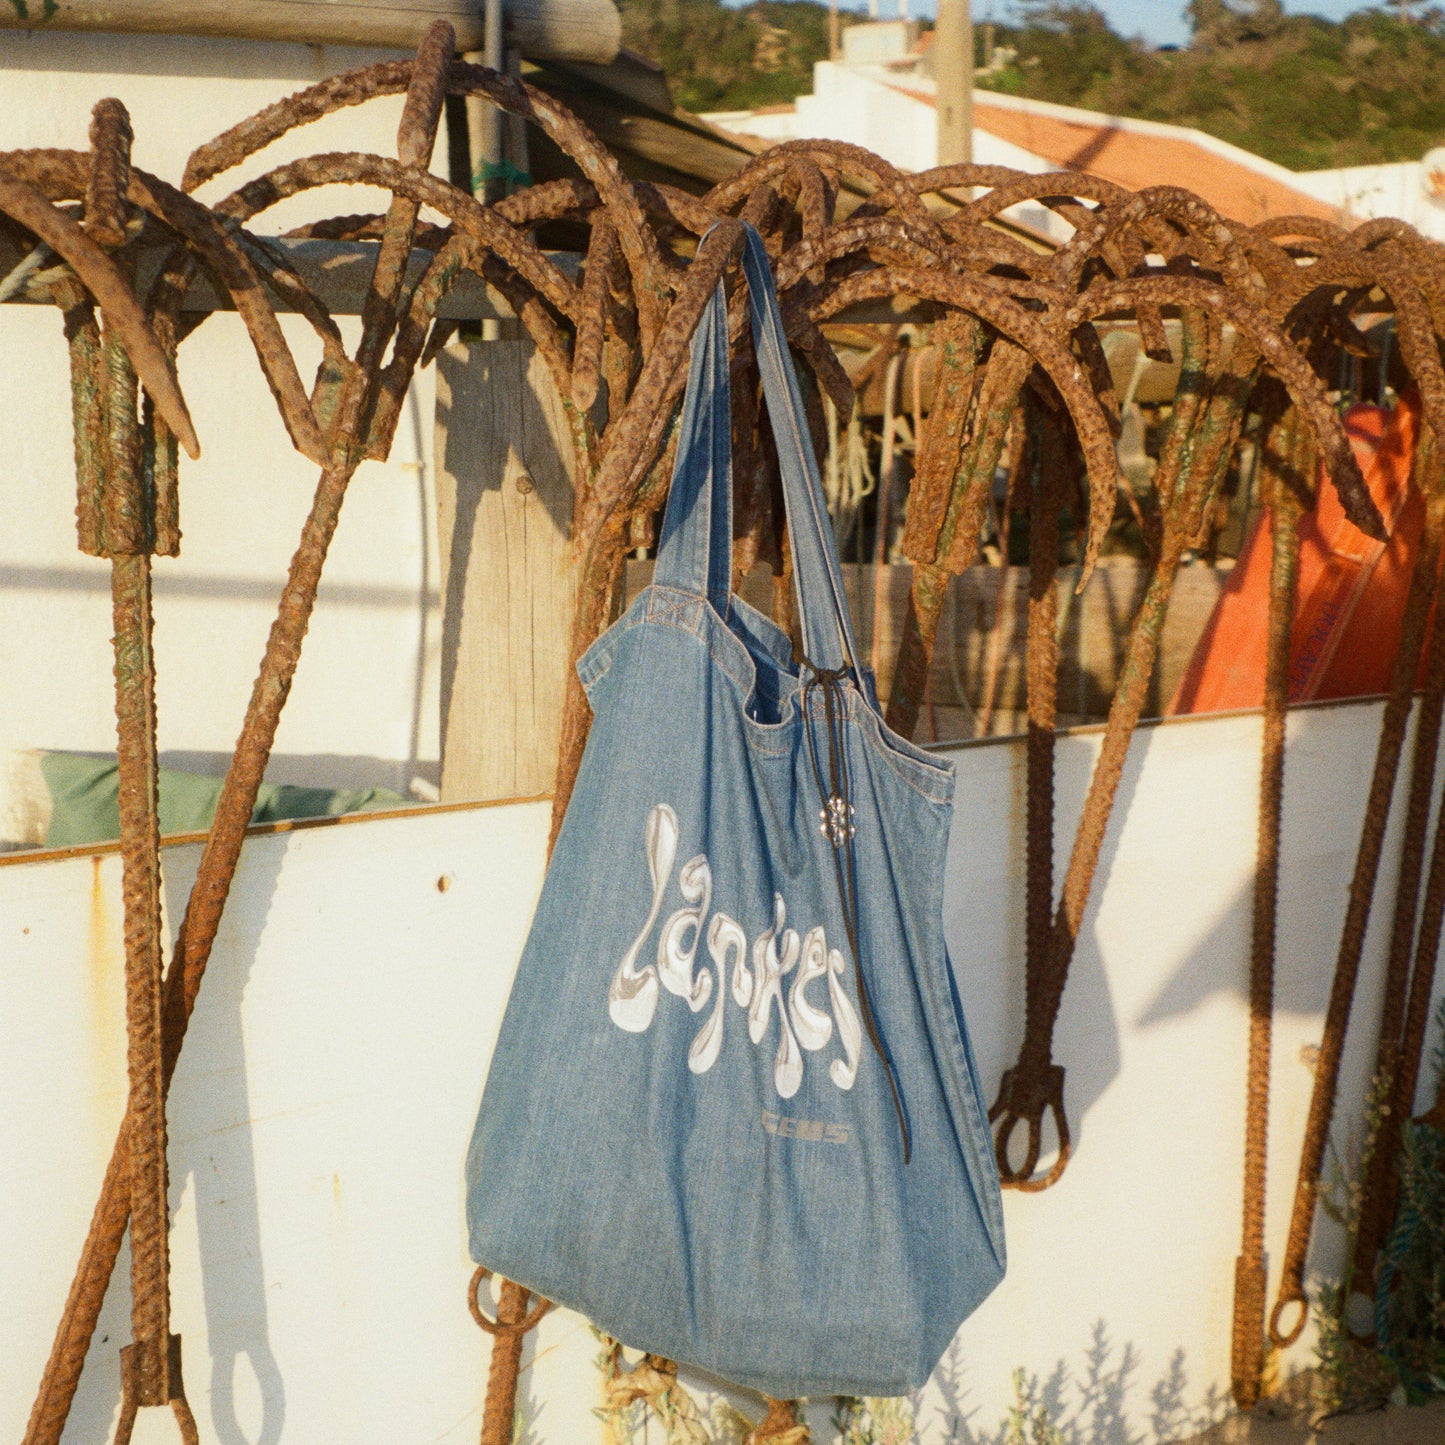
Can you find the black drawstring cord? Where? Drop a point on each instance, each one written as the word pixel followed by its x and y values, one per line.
pixel 836 816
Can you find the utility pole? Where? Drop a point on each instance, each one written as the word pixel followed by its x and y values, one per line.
pixel 953 71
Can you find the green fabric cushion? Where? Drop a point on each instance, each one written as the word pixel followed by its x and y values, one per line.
pixel 84 797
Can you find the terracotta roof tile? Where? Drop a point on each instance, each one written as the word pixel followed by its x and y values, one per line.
pixel 1137 159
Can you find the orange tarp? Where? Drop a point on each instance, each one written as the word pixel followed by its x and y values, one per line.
pixel 1350 599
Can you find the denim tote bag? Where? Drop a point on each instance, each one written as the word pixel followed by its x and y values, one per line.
pixel 733 1115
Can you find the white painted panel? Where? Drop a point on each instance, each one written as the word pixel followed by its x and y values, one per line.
pixel 327 1091
pixel 1396 188
pixel 1120 1281
pixel 364 709
pixel 182 90
pixel 319 1121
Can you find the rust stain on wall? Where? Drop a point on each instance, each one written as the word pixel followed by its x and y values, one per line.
pixel 103 1001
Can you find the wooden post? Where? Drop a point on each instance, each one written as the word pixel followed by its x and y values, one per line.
pixel 578 30
pixel 953 72
pixel 504 500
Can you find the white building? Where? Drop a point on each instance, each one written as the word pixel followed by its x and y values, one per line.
pixel 1412 191
pixel 881 94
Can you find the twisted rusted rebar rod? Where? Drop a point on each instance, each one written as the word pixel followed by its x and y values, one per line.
pixel 98 274
pixel 243 779
pixel 1203 429
pixel 1286 475
pixel 514 1319
pixel 1378 1195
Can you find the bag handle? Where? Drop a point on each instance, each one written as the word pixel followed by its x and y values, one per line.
pixel 822 605
pixel 695 547
pixel 694 554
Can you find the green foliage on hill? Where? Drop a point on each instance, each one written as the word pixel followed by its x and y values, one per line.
pixel 1305 92
pixel 718 58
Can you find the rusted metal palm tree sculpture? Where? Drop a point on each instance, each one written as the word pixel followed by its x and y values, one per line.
pixel 1016 332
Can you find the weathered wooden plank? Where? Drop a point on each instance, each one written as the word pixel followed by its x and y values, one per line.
pixel 503 459
pixel 338 273
pixel 588 30
pixel 1093 632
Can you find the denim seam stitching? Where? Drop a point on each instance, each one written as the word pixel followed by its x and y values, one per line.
pixel 989 1202
pixel 674 614
pixel 672 620
pixel 900 767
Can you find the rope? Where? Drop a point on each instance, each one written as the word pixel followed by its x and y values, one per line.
pixel 832 470
pixel 885 488
pixel 18 277
pixel 837 826
pixel 1000 627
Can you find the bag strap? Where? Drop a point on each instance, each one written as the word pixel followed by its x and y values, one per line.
pixel 822 605
pixel 694 553
pixel 695 547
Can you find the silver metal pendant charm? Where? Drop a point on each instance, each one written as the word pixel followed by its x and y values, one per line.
pixel 836 821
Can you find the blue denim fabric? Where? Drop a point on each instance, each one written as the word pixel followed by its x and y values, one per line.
pixel 743 1206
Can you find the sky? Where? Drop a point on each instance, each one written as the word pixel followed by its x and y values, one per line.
pixel 1161 22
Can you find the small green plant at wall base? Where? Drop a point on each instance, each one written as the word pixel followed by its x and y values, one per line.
pixel 1409 1322
pixel 1410 1311
pixel 861 1421
pixel 1028 1420
pixel 1410 1306
pixel 1351 1375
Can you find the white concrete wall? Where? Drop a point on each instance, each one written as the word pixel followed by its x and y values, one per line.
pixel 889 116
pixel 364 707
pixel 1367 192
pixel 324 1101
pixel 853 104
pixel 772 123
pixel 848 104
